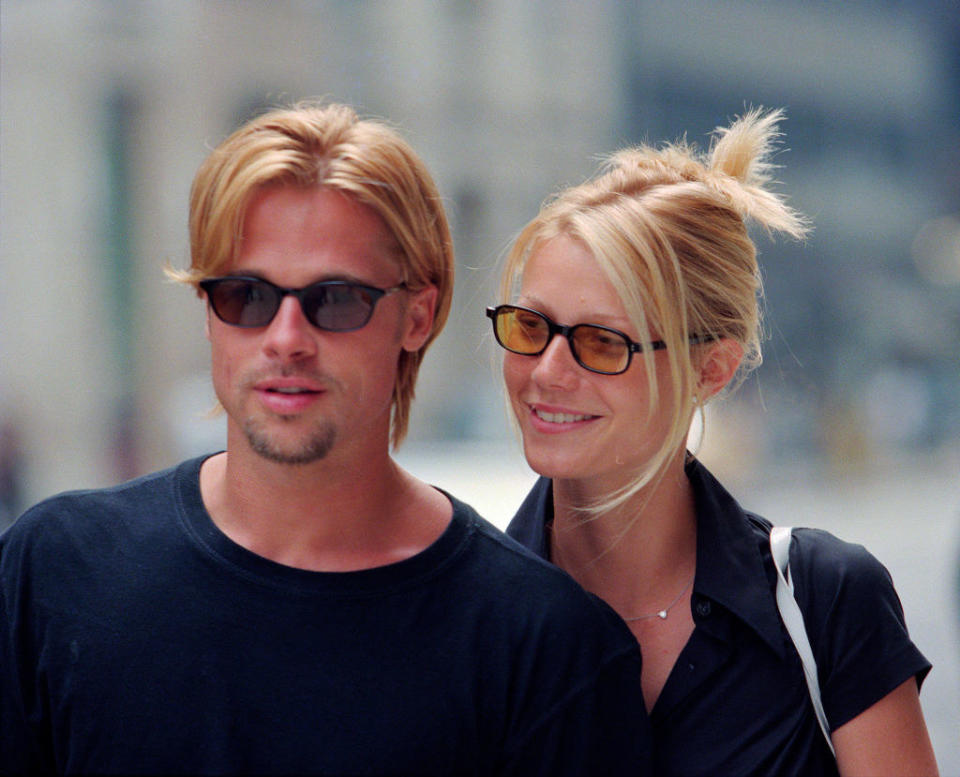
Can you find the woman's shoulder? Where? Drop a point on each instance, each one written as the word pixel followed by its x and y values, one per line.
pixel 821 556
pixel 841 587
pixel 825 567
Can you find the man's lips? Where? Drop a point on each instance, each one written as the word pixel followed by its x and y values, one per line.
pixel 289 385
pixel 288 395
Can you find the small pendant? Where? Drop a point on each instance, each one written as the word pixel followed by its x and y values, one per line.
pixel 662 614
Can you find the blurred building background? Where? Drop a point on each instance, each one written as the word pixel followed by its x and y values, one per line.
pixel 107 107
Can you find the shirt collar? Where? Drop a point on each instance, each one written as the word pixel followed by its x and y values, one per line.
pixel 731 568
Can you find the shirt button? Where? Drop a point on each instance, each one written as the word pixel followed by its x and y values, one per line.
pixel 703 608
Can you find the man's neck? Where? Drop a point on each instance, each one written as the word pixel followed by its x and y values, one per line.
pixel 325 516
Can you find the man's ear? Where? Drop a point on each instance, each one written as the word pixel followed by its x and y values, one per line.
pixel 206 320
pixel 718 365
pixel 418 318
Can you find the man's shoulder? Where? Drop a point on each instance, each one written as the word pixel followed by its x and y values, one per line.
pixel 83 512
pixel 507 554
pixel 535 590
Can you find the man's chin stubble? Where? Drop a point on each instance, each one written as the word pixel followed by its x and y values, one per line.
pixel 314 448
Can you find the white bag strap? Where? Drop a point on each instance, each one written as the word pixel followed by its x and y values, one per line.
pixel 793 620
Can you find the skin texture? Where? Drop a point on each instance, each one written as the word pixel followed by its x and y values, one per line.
pixel 889 738
pixel 307 479
pixel 589 432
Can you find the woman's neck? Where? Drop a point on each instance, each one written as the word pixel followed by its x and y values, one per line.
pixel 636 556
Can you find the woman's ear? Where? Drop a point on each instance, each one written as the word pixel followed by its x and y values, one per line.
pixel 718 365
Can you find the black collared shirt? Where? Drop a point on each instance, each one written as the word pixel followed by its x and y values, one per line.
pixel 736 701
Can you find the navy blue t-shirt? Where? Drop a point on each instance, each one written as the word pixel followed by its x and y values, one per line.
pixel 736 701
pixel 135 637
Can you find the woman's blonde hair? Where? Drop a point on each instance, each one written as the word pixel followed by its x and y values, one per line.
pixel 327 145
pixel 668 227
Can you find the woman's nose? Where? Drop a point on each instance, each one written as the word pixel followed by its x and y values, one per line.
pixel 556 366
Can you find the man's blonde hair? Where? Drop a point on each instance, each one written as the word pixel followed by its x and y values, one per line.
pixel 668 227
pixel 327 145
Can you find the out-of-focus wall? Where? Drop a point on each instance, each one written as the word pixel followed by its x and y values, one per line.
pixel 107 109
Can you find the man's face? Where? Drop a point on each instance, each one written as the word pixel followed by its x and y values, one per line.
pixel 294 393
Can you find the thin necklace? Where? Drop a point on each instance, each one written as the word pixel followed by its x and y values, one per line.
pixel 662 614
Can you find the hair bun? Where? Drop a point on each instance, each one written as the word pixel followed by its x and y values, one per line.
pixel 739 165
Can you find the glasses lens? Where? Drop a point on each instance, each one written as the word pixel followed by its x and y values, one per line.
pixel 521 331
pixel 599 349
pixel 339 307
pixel 243 302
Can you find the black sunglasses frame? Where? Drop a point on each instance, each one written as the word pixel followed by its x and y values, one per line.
pixel 209 286
pixel 553 328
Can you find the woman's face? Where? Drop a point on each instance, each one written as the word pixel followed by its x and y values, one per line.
pixel 578 424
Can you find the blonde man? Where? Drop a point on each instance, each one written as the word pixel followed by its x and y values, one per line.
pixel 298 603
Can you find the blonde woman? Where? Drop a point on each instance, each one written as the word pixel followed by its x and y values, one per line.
pixel 632 300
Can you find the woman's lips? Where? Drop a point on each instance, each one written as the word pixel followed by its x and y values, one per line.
pixel 555 419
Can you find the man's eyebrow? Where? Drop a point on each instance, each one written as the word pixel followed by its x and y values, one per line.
pixel 327 278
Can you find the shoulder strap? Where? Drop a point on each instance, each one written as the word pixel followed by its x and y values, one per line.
pixel 793 620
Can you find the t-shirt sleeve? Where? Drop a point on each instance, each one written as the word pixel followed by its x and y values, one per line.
pixel 856 624
pixel 599 726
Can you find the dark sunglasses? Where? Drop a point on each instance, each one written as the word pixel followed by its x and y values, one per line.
pixel 596 348
pixel 334 306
